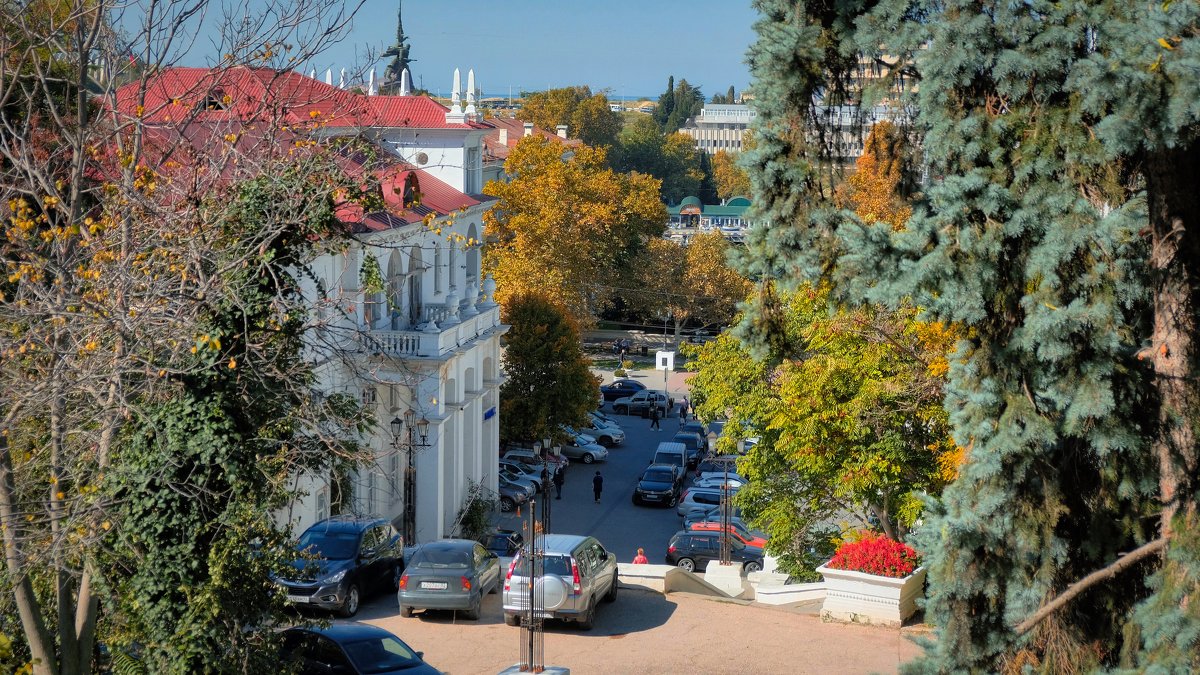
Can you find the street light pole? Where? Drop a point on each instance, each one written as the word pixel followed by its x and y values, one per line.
pixel 402 439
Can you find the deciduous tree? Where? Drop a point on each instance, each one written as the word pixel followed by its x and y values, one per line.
pixel 731 179
pixel 568 229
pixel 548 380
pixel 586 115
pixel 671 158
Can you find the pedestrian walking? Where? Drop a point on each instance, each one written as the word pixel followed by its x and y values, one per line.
pixel 640 558
pixel 654 417
pixel 559 479
pixel 597 485
pixel 683 411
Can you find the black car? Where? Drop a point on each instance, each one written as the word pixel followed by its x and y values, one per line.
pixel 620 389
pixel 691 550
pixel 344 559
pixel 697 446
pixel 351 648
pixel 659 484
pixel 504 543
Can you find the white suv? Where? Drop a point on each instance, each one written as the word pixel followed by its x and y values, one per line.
pixel 577 574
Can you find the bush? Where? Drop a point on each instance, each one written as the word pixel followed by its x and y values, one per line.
pixel 619 372
pixel 627 364
pixel 876 554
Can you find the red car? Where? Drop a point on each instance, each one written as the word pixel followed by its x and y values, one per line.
pixel 738 531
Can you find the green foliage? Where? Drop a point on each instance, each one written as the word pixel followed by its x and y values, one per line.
pixel 849 417
pixel 549 381
pixel 676 105
pixel 1035 117
pixel 619 372
pixel 672 158
pixel 475 517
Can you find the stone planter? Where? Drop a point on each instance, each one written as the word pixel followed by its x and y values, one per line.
pixel 865 598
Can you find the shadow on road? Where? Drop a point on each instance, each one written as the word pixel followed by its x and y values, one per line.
pixel 633 612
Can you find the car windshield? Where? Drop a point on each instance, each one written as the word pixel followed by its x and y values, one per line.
pixel 441 559
pixel 554 564
pixel 658 476
pixel 380 655
pixel 329 545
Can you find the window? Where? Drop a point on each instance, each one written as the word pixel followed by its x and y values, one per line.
pixel 369 396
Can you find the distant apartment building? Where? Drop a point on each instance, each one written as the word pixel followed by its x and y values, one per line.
pixel 720 126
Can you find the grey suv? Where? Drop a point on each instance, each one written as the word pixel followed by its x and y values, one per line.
pixel 345 559
pixel 578 572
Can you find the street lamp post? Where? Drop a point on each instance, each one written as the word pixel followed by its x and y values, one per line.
pixel 402 439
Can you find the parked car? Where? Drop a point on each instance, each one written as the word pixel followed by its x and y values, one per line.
pixel 532 485
pixel 641 402
pixel 511 496
pixel 696 446
pixel 579 447
pixel 504 543
pixel 691 550
pixel 350 648
pixel 734 481
pixel 737 530
pixel 600 419
pixel 449 574
pixel 620 389
pixel 699 499
pixel 344 559
pixel 696 427
pixel 672 453
pixel 523 470
pixel 659 484
pixel 717 465
pixel 578 572
pixel 714 513
pixel 534 458
pixel 606 435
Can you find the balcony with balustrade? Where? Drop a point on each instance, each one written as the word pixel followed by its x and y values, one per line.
pixel 441 330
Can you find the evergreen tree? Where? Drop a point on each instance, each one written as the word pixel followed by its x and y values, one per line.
pixel 1058 233
pixel 729 97
pixel 666 104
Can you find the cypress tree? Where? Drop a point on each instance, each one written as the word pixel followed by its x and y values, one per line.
pixel 666 104
pixel 1057 230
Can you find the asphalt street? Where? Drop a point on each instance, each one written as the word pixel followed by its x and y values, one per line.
pixel 619 525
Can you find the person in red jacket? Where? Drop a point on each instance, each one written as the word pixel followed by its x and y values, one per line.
pixel 640 558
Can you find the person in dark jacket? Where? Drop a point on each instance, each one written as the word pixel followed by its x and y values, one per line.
pixel 559 479
pixel 597 485
pixel 654 416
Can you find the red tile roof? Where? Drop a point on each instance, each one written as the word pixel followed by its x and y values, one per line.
pixel 495 150
pixel 183 95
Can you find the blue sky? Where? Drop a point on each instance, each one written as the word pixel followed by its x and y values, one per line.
pixel 629 46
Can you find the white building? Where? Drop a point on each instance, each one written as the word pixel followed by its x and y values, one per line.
pixel 426 345
pixel 720 127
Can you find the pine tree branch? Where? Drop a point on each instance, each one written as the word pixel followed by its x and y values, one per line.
pixel 1090 580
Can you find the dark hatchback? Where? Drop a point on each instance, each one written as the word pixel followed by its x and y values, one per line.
pixel 697 446
pixel 659 484
pixel 345 559
pixel 620 389
pixel 693 550
pixel 351 649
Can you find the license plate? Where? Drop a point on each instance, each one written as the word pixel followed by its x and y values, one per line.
pixel 297 598
pixel 650 498
pixel 434 585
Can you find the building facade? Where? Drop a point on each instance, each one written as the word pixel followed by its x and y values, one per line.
pixel 720 127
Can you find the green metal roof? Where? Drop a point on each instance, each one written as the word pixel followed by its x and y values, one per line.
pixel 734 207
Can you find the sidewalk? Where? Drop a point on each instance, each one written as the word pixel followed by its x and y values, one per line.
pixel 645 632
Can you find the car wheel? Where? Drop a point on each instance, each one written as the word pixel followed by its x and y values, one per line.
pixel 350 606
pixel 673 502
pixel 507 504
pixel 621 409
pixel 611 595
pixel 512 620
pixel 397 572
pixel 472 613
pixel 589 619
pixel 753 566
pixel 406 611
pixel 686 564
pixel 606 441
pixel 587 458
pixel 636 501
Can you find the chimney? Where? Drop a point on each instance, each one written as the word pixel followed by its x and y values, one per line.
pixel 561 130
pixel 503 136
pixel 529 128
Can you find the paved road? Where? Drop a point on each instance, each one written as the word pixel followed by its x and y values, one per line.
pixel 615 521
pixel 645 632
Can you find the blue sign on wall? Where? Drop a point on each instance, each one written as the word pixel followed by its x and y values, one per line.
pixel 489 413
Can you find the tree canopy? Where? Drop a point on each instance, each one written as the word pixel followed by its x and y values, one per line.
pixel 671 158
pixel 675 105
pixel 586 115
pixel 1057 230
pixel 549 382
pixel 567 229
pixel 731 180
pixel 692 284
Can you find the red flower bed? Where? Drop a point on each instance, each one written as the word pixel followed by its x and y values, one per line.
pixel 876 554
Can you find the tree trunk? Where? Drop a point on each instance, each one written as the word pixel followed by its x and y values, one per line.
pixel 1174 204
